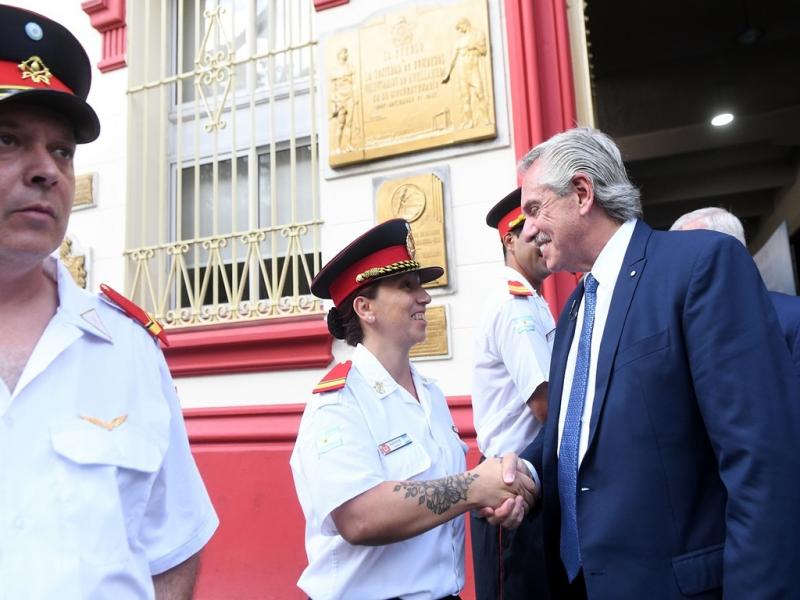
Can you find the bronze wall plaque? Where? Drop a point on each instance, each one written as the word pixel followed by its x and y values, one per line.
pixel 415 78
pixel 436 340
pixel 84 191
pixel 420 201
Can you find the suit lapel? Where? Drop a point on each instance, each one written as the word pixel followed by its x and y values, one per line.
pixel 631 272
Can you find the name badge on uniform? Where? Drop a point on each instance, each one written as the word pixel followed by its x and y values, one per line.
pixel 394 444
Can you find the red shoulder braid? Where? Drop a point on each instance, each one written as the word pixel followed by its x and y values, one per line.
pixel 515 288
pixel 137 313
pixel 335 379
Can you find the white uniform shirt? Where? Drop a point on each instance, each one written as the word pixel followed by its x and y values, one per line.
pixel 605 270
pixel 337 457
pixel 512 358
pixel 85 512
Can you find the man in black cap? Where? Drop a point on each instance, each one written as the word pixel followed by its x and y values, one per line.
pixel 509 400
pixel 99 494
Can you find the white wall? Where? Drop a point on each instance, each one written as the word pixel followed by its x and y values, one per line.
pixel 479 175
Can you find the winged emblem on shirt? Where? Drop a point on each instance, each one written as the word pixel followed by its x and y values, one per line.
pixel 107 425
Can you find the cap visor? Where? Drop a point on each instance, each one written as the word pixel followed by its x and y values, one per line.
pixel 76 111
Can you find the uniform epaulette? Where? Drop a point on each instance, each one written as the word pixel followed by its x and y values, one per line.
pixel 515 288
pixel 335 379
pixel 137 313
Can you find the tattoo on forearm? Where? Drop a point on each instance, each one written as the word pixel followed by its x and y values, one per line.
pixel 440 494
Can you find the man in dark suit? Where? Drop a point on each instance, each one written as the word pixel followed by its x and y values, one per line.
pixel 787 307
pixel 668 465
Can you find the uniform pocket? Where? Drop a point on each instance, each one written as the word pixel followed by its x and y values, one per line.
pixel 91 445
pixel 104 481
pixel 405 462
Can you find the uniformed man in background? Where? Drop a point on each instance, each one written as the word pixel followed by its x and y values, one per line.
pixel 99 494
pixel 509 400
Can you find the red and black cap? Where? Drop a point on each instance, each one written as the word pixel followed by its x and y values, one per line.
pixel 506 214
pixel 385 250
pixel 43 64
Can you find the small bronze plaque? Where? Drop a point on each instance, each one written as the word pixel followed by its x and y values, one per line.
pixel 420 201
pixel 84 191
pixel 436 340
pixel 415 78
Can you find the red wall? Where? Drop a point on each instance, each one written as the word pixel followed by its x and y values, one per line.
pixel 243 456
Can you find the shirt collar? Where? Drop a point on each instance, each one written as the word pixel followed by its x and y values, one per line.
pixel 376 376
pixel 76 305
pixel 609 262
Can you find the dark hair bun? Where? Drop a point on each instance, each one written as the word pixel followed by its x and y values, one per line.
pixel 335 325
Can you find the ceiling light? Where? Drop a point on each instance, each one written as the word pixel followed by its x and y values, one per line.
pixel 722 119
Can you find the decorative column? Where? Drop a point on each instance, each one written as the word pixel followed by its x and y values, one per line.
pixel 108 17
pixel 542 91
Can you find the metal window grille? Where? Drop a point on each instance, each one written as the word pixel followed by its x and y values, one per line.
pixel 223 208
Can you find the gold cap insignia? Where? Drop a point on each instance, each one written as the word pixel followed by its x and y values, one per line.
pixel 35 70
pixel 412 249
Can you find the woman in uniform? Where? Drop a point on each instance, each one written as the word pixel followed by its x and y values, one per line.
pixel 378 465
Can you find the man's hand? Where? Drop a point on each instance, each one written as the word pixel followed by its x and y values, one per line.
pixel 510 513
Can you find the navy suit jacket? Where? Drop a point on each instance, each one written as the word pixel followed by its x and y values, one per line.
pixel 689 485
pixel 788 309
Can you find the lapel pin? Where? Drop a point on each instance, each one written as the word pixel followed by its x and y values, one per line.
pixel 633 273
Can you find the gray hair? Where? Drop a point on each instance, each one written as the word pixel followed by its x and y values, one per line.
pixel 594 154
pixel 715 219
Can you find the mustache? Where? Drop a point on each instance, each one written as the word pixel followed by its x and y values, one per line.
pixel 541 238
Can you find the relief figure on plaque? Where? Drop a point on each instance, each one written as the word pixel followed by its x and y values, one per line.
pixel 408 202
pixel 468 54
pixel 343 102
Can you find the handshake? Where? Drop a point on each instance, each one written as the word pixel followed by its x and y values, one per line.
pixel 503 489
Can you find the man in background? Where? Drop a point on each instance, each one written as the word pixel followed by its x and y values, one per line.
pixel 787 307
pixel 509 401
pixel 99 494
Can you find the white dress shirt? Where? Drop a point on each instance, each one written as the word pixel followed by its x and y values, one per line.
pixel 338 456
pixel 605 270
pixel 87 511
pixel 512 358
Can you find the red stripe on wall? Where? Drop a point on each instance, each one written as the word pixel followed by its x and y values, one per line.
pixel 272 346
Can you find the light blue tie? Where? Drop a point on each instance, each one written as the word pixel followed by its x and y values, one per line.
pixel 571 436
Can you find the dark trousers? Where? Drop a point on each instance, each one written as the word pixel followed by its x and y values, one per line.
pixel 508 565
